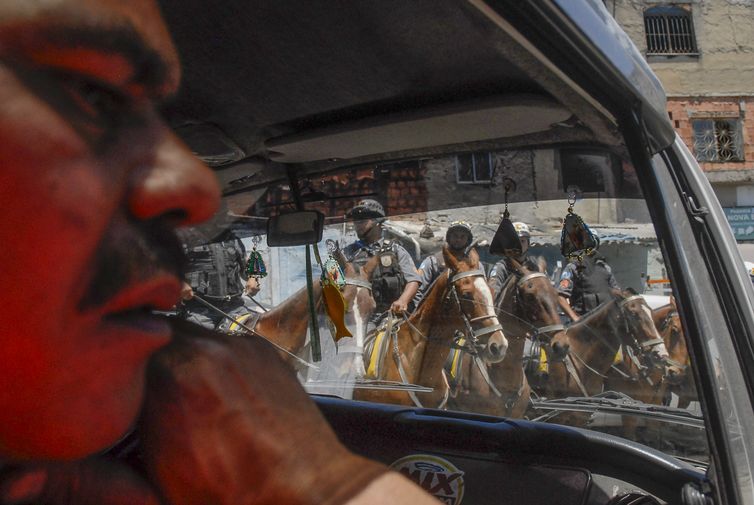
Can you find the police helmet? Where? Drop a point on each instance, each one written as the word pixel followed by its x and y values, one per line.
pixel 463 226
pixel 522 229
pixel 367 209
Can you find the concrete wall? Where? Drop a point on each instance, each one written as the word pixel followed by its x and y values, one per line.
pixel 725 40
pixel 718 82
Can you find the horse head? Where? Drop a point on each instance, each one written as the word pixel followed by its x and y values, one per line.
pixel 668 323
pixel 468 288
pixel 537 298
pixel 640 331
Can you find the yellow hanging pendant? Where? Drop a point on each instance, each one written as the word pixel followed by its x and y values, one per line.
pixel 335 306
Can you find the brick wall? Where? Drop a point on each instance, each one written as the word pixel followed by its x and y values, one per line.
pixel 683 110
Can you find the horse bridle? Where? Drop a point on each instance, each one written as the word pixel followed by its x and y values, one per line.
pixel 473 335
pixel 644 349
pixel 542 330
pixel 665 323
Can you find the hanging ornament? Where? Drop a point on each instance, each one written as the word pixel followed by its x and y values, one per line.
pixel 506 241
pixel 335 304
pixel 331 269
pixel 255 267
pixel 576 239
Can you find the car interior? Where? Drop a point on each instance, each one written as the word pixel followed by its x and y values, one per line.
pixel 302 106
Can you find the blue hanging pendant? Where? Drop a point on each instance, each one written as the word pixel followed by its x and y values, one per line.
pixel 255 267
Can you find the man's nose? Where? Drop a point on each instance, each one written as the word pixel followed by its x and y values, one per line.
pixel 174 183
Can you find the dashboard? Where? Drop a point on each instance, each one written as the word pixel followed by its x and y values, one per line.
pixel 480 460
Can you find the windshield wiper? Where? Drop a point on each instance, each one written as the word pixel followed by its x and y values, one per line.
pixel 320 385
pixel 611 402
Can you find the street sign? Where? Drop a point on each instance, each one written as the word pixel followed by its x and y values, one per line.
pixel 741 220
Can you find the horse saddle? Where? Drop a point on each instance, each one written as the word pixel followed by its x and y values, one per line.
pixel 453 365
pixel 249 320
pixel 375 349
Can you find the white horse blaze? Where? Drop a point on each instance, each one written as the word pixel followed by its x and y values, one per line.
pixel 659 348
pixel 489 304
pixel 358 360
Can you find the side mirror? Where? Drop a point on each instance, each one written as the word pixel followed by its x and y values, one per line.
pixel 295 228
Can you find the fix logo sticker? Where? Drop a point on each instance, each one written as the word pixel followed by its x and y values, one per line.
pixel 438 476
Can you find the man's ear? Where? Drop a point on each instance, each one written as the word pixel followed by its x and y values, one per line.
pixel 450 260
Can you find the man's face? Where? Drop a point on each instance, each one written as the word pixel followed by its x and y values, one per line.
pixel 363 227
pixel 457 239
pixel 92 184
pixel 524 244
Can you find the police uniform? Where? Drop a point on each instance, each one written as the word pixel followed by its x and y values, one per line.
pixel 587 283
pixel 391 275
pixel 500 273
pixel 217 273
pixel 430 269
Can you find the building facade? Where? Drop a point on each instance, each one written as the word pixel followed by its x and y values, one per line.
pixel 703 53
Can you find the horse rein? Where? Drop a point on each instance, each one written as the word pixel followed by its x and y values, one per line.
pixel 644 348
pixel 484 330
pixel 542 330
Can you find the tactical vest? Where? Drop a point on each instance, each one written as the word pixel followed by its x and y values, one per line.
pixel 592 285
pixel 387 279
pixel 214 270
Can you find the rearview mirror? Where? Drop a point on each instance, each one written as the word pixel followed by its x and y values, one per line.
pixel 295 228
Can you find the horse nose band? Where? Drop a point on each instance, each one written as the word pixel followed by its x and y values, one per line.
pixel 484 331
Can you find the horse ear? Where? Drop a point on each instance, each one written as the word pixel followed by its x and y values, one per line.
pixel 672 302
pixel 515 263
pixel 473 256
pixel 339 257
pixel 450 260
pixel 369 267
pixel 542 264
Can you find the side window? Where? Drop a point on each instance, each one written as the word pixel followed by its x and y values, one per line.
pixel 718 140
pixel 476 168
pixel 670 31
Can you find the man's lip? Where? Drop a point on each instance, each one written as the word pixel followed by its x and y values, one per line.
pixel 157 293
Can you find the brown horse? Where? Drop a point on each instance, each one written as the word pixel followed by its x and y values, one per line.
pixel 286 325
pixel 415 352
pixel 527 307
pixel 581 357
pixel 679 379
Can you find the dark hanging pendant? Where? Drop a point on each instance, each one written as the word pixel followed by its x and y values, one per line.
pixel 255 267
pixel 576 239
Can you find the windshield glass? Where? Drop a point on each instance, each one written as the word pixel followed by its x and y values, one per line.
pixel 523 283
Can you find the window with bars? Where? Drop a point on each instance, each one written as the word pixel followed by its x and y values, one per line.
pixel 670 31
pixel 476 168
pixel 718 140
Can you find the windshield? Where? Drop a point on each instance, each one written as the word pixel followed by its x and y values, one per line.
pixel 524 283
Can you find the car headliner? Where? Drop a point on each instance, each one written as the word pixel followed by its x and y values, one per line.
pixel 259 73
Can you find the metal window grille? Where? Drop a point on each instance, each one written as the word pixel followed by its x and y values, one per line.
pixel 474 168
pixel 718 140
pixel 670 31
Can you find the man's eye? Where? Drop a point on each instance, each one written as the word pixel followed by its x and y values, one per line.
pixel 101 103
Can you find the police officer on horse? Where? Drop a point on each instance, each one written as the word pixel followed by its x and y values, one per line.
pixel 458 237
pixel 216 272
pixel 585 283
pixel 395 281
pixel 503 269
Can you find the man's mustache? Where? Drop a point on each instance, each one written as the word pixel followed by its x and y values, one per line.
pixel 131 252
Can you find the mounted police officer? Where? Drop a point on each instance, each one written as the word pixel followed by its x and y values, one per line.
pixel 217 273
pixel 458 238
pixel 395 280
pixel 585 283
pixel 503 269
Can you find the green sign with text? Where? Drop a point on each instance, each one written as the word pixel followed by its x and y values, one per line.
pixel 741 220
